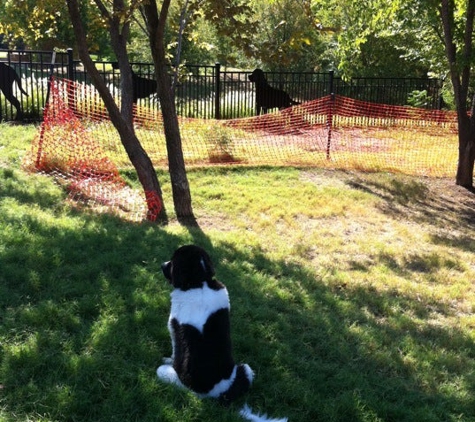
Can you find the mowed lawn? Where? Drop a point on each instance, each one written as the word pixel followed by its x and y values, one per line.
pixel 352 296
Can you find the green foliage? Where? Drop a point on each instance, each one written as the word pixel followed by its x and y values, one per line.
pixel 418 98
pixel 383 37
pixel 45 25
pixel 357 38
pixel 286 37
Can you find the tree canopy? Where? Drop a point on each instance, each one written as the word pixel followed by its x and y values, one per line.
pixel 354 38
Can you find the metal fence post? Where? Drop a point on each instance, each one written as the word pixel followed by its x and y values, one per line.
pixel 330 112
pixel 70 64
pixel 331 80
pixel 217 92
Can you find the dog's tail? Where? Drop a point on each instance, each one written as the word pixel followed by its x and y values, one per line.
pixel 18 82
pixel 246 413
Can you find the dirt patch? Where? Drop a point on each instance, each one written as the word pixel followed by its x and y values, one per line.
pixel 433 200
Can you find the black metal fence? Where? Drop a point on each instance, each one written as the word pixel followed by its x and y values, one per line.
pixel 201 91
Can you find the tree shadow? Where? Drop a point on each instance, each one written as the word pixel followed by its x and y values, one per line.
pixel 83 314
pixel 438 202
pixel 348 352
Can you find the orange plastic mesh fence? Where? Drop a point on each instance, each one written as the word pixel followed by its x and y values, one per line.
pixel 78 144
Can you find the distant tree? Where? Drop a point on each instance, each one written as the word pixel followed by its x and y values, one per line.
pixel 286 36
pixel 45 25
pixel 419 30
pixel 213 30
pixel 379 38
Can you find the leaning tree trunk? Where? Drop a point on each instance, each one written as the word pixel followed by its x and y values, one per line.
pixel 122 121
pixel 146 174
pixel 176 163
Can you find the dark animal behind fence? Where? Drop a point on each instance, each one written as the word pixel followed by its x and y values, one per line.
pixel 268 97
pixel 8 76
pixel 143 87
pixel 206 92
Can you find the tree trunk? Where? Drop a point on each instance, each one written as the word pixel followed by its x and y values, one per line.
pixel 176 163
pixel 460 76
pixel 466 161
pixel 146 174
pixel 122 120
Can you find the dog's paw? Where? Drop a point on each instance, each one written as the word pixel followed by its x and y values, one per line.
pixel 167 374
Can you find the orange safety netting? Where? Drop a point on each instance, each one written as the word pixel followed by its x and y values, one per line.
pixel 78 144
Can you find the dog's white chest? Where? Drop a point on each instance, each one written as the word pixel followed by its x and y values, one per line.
pixel 194 306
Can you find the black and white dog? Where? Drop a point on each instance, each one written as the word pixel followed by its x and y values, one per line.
pixel 199 326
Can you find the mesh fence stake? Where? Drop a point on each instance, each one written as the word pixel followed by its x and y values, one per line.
pixel 45 111
pixel 330 113
pixel 217 94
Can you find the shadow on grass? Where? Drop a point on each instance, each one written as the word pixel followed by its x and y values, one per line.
pixel 341 353
pixel 83 327
pixel 437 202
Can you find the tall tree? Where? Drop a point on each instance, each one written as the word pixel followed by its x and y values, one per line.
pixel 44 25
pixel 119 24
pixel 419 29
pixel 286 36
pixel 118 19
pixel 155 21
pixel 458 25
pixel 375 38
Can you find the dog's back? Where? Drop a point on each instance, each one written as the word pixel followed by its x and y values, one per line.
pixel 199 326
pixel 143 87
pixel 199 320
pixel 270 97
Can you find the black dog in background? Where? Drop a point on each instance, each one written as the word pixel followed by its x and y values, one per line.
pixel 142 87
pixel 268 97
pixel 8 76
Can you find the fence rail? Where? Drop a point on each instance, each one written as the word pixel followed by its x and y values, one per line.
pixel 202 91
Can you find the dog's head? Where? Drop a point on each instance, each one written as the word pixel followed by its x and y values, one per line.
pixel 189 268
pixel 257 76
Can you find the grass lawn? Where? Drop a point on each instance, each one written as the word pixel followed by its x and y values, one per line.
pixel 352 296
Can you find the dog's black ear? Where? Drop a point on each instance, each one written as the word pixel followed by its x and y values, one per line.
pixel 207 266
pixel 167 270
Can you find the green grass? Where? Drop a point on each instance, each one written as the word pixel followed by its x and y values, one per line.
pixel 352 297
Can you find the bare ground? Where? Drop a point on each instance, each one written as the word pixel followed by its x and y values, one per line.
pixel 438 201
